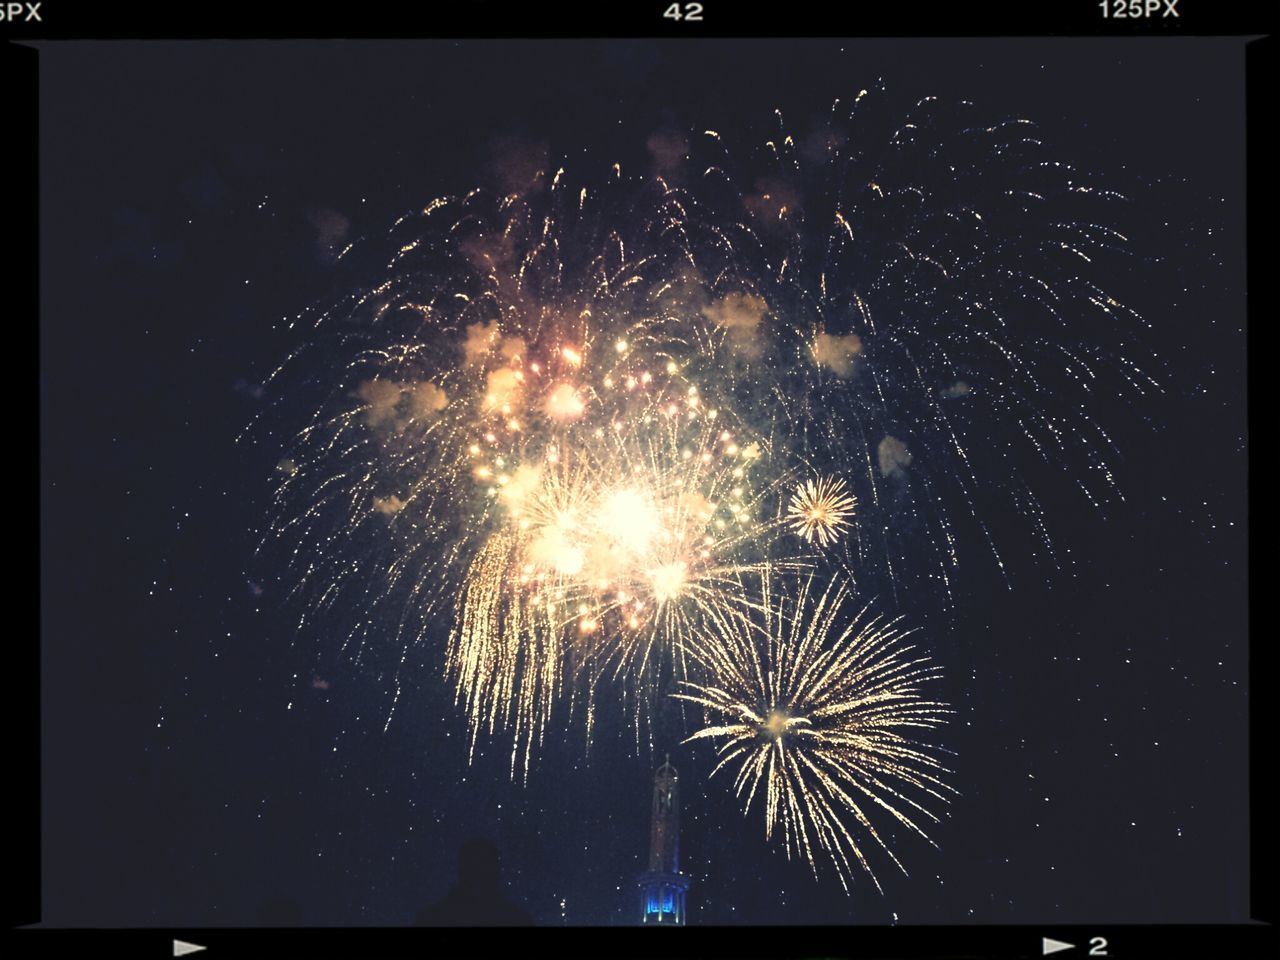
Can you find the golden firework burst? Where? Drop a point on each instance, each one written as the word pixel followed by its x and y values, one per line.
pixel 820 509
pixel 616 506
pixel 814 703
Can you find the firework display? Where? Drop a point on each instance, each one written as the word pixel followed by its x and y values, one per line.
pixel 585 439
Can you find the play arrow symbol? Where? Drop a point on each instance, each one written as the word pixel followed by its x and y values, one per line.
pixel 181 948
pixel 1053 946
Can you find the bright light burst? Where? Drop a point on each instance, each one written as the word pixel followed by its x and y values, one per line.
pixel 816 708
pixel 820 509
pixel 604 544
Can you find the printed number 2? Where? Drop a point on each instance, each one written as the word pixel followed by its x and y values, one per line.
pixel 1098 947
pixel 688 11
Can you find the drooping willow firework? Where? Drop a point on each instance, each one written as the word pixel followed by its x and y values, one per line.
pixel 817 708
pixel 571 421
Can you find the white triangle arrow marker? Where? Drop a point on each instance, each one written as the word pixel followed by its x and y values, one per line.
pixel 1053 946
pixel 181 948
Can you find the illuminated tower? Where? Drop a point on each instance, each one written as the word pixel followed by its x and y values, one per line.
pixel 662 889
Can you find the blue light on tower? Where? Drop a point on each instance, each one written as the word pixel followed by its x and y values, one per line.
pixel 662 888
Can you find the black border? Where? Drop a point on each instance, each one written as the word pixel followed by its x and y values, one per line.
pixel 19 165
pixel 1260 209
pixel 579 19
pixel 738 942
pixel 156 19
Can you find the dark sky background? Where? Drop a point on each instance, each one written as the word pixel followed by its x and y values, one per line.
pixel 202 760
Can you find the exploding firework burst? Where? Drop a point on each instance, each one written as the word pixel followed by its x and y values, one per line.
pixel 816 708
pixel 606 545
pixel 820 509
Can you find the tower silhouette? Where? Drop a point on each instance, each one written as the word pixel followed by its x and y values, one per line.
pixel 662 889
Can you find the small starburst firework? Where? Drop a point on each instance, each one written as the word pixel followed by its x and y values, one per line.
pixel 815 705
pixel 820 510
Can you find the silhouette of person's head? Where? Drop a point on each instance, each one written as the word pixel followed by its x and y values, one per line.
pixel 478 865
pixel 478 898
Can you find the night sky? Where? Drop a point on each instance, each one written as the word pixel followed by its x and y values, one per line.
pixel 206 764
